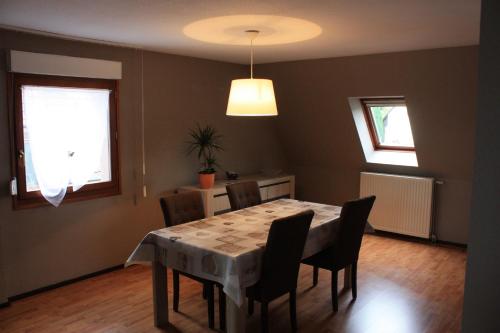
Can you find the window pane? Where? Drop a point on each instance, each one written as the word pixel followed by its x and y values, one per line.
pixel 66 134
pixel 392 125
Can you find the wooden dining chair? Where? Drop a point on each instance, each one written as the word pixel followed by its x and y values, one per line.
pixel 179 208
pixel 244 194
pixel 280 265
pixel 345 250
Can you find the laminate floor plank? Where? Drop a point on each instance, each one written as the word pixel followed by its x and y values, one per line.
pixel 403 287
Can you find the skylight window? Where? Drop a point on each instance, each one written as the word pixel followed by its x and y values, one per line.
pixel 388 124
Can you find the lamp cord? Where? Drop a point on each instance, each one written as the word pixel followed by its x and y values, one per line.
pixel 252 34
pixel 251 58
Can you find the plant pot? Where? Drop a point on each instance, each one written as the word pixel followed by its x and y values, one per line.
pixel 206 180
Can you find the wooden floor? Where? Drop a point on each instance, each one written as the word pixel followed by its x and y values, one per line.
pixel 402 287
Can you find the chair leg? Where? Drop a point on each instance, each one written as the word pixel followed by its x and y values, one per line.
pixel 354 278
pixel 335 299
pixel 293 309
pixel 264 323
pixel 176 289
pixel 250 306
pixel 315 275
pixel 222 309
pixel 210 301
pixel 205 290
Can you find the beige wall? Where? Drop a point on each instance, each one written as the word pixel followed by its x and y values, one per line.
pixel 315 132
pixel 322 144
pixel 197 91
pixel 42 246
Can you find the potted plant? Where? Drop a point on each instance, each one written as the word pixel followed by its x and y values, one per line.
pixel 205 142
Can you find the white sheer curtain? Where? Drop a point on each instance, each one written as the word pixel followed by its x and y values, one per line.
pixel 68 130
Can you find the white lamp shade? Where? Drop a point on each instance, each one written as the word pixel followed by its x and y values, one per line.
pixel 251 97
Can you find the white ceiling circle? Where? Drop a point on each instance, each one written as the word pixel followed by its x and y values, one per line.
pixel 273 30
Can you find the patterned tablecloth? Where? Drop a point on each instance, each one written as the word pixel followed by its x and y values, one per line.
pixel 228 248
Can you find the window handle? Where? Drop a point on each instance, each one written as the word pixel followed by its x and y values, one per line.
pixel 21 153
pixel 13 186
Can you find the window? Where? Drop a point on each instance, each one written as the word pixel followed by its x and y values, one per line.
pixel 388 123
pixel 64 139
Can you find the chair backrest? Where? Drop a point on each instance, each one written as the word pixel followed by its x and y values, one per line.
pixel 283 253
pixel 182 207
pixel 353 219
pixel 243 195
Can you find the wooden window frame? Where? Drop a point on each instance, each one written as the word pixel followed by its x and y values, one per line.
pixel 366 103
pixel 25 199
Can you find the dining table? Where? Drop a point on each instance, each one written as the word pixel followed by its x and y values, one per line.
pixel 228 249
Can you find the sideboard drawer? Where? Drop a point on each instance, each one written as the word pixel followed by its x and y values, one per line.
pixel 221 203
pixel 278 191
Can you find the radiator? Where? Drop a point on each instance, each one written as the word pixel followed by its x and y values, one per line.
pixel 403 204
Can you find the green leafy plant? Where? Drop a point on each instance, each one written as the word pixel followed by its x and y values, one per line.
pixel 205 143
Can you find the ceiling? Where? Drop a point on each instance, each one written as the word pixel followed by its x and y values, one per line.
pixel 348 27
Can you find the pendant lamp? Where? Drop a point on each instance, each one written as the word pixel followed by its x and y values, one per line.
pixel 251 97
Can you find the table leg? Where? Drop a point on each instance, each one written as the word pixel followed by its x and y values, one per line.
pixel 235 316
pixel 160 295
pixel 347 277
